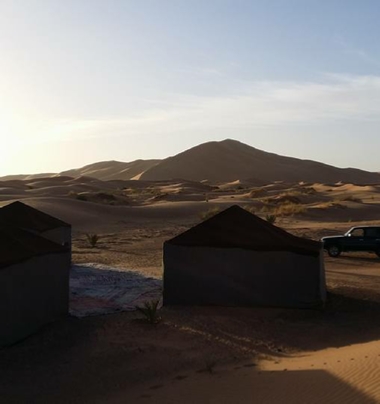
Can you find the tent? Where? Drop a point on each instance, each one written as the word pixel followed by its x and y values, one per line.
pixel 34 283
pixel 237 259
pixel 25 217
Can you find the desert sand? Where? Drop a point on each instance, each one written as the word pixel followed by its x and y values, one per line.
pixel 338 375
pixel 209 354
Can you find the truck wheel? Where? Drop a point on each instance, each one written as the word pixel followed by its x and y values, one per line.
pixel 334 251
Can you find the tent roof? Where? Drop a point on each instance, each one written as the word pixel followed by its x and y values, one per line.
pixel 24 216
pixel 17 245
pixel 237 228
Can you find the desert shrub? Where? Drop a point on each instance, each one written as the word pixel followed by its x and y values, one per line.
pixel 106 196
pixel 334 205
pixel 310 191
pixel 156 192
pixel 210 364
pixel 150 311
pixel 290 197
pixel 289 209
pixel 271 219
pixel 351 198
pixel 256 192
pixel 81 197
pixel 92 239
pixel 338 205
pixel 209 213
pixel 285 209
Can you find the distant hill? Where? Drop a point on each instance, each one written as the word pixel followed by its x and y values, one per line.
pixel 231 160
pixel 113 170
pixel 219 162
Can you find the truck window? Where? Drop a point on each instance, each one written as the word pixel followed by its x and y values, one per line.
pixel 371 232
pixel 357 233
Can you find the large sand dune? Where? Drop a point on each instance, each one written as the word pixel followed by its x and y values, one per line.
pixel 231 160
pixel 219 162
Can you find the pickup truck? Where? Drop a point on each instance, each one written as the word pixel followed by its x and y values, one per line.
pixel 363 238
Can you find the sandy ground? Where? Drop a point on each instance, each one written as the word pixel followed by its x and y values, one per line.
pixel 343 375
pixel 205 355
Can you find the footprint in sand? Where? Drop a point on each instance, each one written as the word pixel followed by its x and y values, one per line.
pixel 158 386
pixel 181 377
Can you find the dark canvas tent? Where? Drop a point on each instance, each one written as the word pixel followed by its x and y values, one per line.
pixel 25 217
pixel 34 282
pixel 237 259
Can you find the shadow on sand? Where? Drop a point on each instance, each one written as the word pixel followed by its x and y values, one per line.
pixel 97 289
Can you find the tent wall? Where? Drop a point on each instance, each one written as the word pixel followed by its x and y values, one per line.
pixel 33 293
pixel 237 277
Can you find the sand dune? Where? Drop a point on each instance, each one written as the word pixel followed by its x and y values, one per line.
pixel 231 160
pixel 109 170
pixel 219 162
pixel 312 201
pixel 26 176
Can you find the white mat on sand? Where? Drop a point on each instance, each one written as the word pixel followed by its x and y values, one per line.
pixel 98 289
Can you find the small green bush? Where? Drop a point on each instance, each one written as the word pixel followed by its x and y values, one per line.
pixel 271 219
pixel 150 311
pixel 92 239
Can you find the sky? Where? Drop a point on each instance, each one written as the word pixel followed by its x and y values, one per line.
pixel 91 80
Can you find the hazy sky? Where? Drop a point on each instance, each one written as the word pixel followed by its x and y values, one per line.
pixel 86 80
